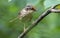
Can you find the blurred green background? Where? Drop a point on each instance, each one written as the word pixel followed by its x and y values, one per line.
pixel 49 27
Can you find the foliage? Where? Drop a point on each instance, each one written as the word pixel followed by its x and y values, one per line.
pixel 49 27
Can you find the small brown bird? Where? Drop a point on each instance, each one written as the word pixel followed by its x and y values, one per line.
pixel 26 13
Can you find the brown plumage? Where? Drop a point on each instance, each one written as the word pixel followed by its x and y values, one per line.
pixel 25 15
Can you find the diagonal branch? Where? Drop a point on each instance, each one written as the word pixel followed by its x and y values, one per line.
pixel 37 21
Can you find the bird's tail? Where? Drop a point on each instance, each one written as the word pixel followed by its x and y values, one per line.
pixel 13 19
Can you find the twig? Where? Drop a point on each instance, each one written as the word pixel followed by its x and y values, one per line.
pixel 37 21
pixel 55 10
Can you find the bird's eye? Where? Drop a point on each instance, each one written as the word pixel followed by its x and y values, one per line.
pixel 28 8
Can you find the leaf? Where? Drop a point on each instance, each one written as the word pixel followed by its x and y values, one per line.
pixel 49 3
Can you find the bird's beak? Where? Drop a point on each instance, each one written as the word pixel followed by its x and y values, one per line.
pixel 34 9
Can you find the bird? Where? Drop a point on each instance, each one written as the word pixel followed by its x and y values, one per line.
pixel 25 15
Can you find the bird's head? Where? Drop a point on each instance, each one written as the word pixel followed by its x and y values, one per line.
pixel 30 8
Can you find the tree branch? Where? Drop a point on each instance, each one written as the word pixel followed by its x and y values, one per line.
pixel 38 20
pixel 54 10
